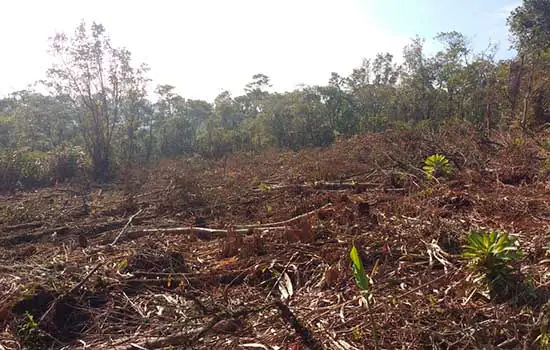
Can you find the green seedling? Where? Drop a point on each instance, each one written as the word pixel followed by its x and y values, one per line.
pixel 364 282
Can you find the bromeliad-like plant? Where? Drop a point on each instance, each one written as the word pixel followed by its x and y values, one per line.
pixel 364 282
pixel 491 253
pixel 437 165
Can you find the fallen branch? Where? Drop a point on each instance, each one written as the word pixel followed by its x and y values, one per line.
pixel 328 186
pixel 214 232
pixel 200 232
pixel 286 222
pixel 33 224
pixel 33 237
pixel 406 166
pixel 89 229
pixel 218 232
pixel 185 278
pixel 126 226
pixel 304 333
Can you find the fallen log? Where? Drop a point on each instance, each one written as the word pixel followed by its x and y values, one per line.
pixel 209 233
pixel 218 232
pixel 33 224
pixel 91 228
pixel 286 222
pixel 327 186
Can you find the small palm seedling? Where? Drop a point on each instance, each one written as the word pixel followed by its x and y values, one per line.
pixel 437 165
pixel 490 254
pixel 364 282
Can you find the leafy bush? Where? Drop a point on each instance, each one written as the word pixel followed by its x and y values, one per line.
pixel 29 169
pixel 70 162
pixel 24 169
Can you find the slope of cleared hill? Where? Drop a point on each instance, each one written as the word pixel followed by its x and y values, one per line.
pixel 252 251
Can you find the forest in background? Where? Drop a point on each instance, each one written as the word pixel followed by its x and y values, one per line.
pixel 98 120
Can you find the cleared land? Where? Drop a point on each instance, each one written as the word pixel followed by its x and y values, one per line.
pixel 197 254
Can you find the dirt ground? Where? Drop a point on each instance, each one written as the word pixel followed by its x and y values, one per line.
pixel 252 251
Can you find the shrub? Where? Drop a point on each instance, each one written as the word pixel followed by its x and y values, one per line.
pixel 70 162
pixel 491 253
pixel 437 165
pixel 24 169
pixel 30 169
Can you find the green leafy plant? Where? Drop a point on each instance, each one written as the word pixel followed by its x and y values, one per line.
pixel 490 253
pixel 356 334
pixel 437 165
pixel 264 187
pixel 518 141
pixel 364 282
pixel 29 333
pixel 31 323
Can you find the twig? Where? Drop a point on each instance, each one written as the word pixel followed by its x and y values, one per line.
pixel 304 333
pixel 78 285
pixel 280 276
pixel 424 285
pixel 282 223
pixel 126 226
pixel 329 186
pixel 185 340
pixel 33 224
pixel 215 231
pixel 81 283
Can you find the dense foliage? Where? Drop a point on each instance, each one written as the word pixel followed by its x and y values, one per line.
pixel 98 101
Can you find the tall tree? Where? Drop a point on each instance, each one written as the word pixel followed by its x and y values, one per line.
pixel 530 27
pixel 449 69
pixel 418 95
pixel 102 85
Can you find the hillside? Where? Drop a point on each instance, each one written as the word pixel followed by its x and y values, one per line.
pixel 199 254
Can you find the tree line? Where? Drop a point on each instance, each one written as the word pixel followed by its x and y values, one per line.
pixel 98 103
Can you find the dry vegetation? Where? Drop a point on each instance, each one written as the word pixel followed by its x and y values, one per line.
pixel 195 254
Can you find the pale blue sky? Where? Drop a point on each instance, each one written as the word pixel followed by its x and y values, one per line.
pixel 205 46
pixel 480 20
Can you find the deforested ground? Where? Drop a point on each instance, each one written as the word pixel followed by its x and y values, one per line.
pixel 252 251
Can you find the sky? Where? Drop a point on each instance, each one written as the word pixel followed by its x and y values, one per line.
pixel 204 47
